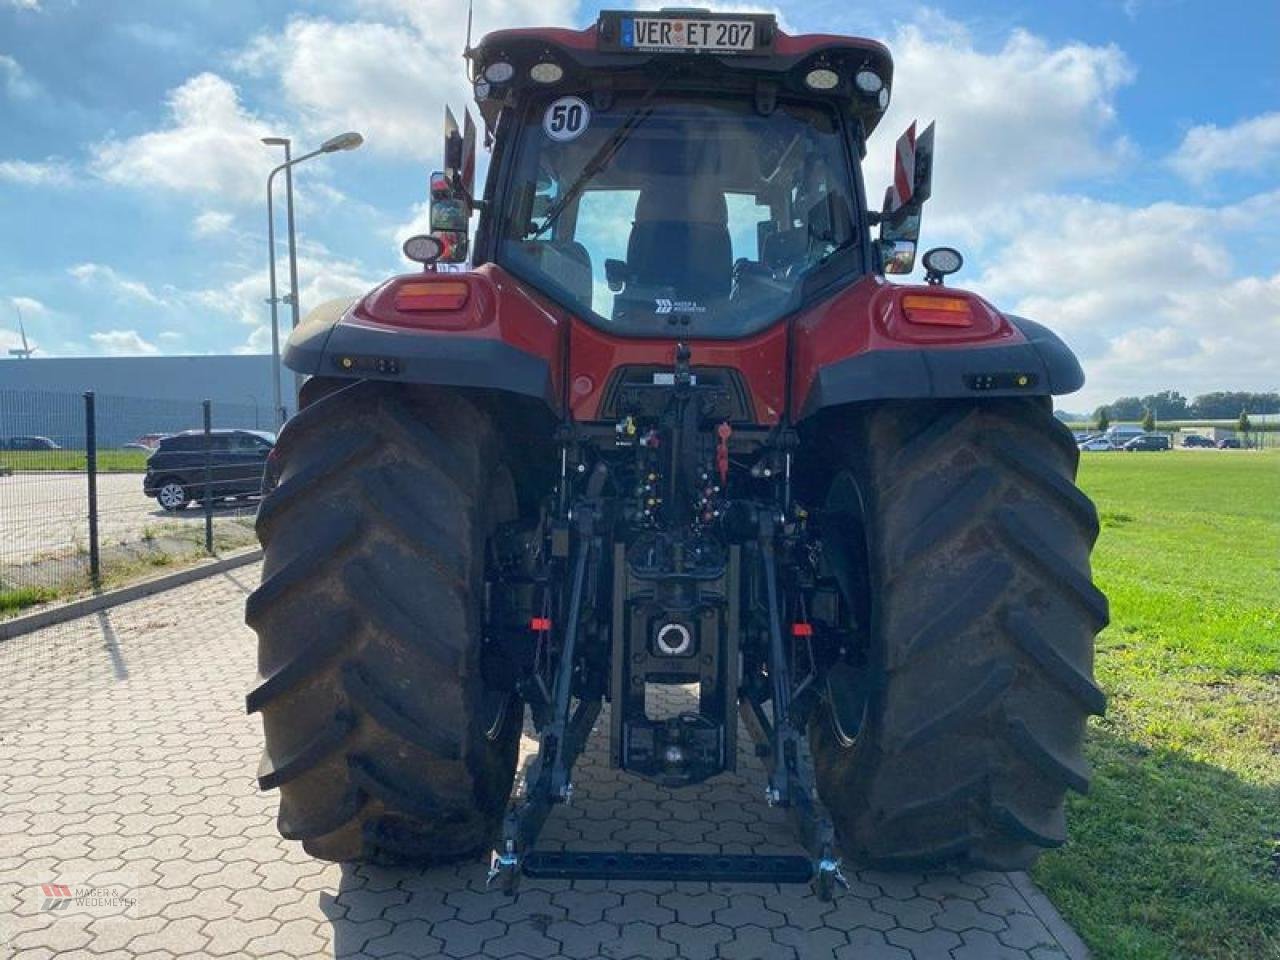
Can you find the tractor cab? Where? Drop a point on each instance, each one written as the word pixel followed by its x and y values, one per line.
pixel 673 173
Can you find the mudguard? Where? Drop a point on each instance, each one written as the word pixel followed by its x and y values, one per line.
pixel 840 360
pixel 502 340
pixel 1042 365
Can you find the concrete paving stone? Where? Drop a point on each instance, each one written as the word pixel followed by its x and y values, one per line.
pixel 181 938
pixel 867 944
pixel 471 905
pixel 350 938
pixel 755 943
pixel 421 906
pixel 205 905
pixel 852 913
pixel 526 937
pixel 900 886
pixel 582 940
pixel 962 915
pixel 1025 931
pixel 981 945
pixel 693 909
pixel 459 939
pixel 914 914
pixel 639 938
pixel 586 905
pixel 641 906
pixel 67 935
pixel 950 887
pixel 230 935
pixel 111 933
pixel 361 904
pixel 820 942
pixel 1003 901
pixel 748 909
pixel 295 938
pixel 800 907
pixel 696 942
pixel 533 905
pixel 413 937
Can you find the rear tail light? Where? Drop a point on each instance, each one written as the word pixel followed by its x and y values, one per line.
pixel 939 311
pixel 427 296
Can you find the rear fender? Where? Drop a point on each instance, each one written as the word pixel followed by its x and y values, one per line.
pixel 861 347
pixel 502 339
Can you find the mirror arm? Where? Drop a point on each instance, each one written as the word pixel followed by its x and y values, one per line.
pixel 461 191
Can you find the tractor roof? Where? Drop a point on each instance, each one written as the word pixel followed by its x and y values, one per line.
pixel 628 49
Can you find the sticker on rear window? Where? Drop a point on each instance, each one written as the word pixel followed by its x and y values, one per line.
pixel 566 119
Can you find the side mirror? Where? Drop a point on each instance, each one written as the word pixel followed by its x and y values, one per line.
pixel 452 189
pixel 904 201
pixel 897 256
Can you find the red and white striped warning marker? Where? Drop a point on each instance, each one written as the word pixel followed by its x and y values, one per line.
pixel 904 167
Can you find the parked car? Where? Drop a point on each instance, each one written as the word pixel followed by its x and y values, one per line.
pixel 1195 440
pixel 176 471
pixel 1230 443
pixel 1096 445
pixel 1148 441
pixel 32 443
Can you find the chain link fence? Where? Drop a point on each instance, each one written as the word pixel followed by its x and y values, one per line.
pixel 100 490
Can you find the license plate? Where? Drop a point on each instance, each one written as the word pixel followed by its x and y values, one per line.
pixel 678 33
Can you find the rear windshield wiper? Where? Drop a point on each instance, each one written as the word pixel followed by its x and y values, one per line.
pixel 601 158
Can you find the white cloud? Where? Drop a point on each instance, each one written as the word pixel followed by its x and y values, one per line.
pixel 211 223
pixel 123 343
pixel 29 306
pixel 107 278
pixel 24 4
pixel 211 147
pixel 1249 146
pixel 388 80
pixel 321 277
pixel 17 85
pixel 1150 298
pixel 419 222
pixel 51 172
pixel 1028 116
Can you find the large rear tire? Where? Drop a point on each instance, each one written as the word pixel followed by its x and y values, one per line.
pixel 982 625
pixel 380 735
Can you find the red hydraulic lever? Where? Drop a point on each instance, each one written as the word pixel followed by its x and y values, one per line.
pixel 723 433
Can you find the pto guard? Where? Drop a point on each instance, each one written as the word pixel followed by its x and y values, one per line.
pixel 497 339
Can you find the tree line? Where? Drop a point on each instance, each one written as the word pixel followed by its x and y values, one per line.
pixel 1171 405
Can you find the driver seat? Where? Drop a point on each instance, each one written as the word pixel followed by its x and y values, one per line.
pixel 680 240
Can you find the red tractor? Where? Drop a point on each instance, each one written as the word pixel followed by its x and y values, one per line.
pixel 673 426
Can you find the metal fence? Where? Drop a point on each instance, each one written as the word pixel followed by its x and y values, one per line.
pixel 75 512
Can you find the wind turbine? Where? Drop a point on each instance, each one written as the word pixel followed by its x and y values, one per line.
pixel 26 350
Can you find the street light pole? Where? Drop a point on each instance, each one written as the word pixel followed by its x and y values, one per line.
pixel 293 266
pixel 276 415
pixel 344 141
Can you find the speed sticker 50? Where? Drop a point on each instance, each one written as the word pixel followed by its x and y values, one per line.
pixel 566 119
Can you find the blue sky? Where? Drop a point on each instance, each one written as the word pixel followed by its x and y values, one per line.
pixel 1109 167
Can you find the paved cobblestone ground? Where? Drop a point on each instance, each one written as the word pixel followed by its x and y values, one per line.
pixel 127 764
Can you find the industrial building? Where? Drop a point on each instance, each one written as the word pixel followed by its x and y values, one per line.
pixel 135 395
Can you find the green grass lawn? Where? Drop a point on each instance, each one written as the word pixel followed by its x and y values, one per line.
pixel 109 461
pixel 1176 850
